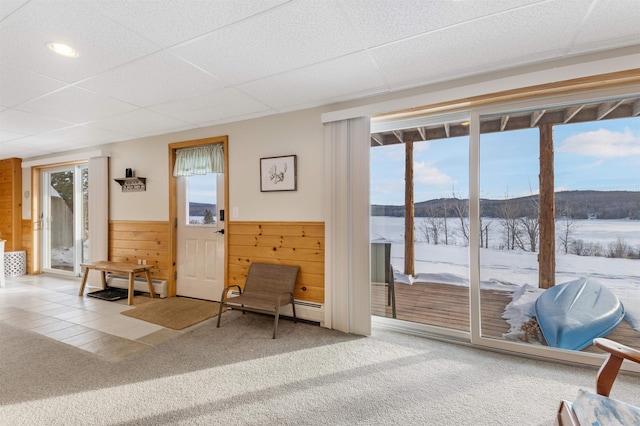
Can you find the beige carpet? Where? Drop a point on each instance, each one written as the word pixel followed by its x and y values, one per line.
pixel 176 313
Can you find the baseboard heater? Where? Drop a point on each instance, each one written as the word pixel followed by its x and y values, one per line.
pixel 139 284
pixel 309 311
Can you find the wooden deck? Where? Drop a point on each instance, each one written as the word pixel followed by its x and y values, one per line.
pixel 446 305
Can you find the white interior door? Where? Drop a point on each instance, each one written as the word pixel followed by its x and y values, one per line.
pixel 200 236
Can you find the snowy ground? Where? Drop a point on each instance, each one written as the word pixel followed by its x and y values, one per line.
pixel 517 271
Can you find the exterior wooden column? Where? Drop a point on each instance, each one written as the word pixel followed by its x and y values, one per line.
pixel 409 239
pixel 546 257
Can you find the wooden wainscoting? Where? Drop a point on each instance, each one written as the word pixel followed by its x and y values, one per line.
pixel 133 240
pixel 287 243
pixel 11 203
pixel 27 243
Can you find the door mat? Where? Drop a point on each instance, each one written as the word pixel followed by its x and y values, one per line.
pixel 110 294
pixel 176 313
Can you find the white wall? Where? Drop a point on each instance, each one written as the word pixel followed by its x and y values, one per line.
pixel 300 133
pixel 148 159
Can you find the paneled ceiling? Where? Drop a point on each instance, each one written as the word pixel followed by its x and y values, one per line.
pixel 147 67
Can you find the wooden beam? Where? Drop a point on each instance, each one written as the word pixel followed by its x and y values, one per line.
pixel 409 240
pixel 569 113
pixel 399 135
pixel 423 133
pixel 447 130
pixel 546 255
pixel 503 122
pixel 605 108
pixel 635 108
pixel 536 116
pixel 377 138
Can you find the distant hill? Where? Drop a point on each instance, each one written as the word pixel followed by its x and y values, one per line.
pixel 197 209
pixel 575 204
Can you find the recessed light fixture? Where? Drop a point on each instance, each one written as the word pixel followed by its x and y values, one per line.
pixel 62 49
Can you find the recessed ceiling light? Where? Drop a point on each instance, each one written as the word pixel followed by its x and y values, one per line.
pixel 62 49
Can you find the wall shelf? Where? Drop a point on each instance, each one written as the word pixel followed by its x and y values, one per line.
pixel 132 184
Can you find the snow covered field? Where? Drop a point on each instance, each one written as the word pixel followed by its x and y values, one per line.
pixel 517 270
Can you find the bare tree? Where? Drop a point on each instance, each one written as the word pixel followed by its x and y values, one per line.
pixel 435 225
pixel 425 232
pixel 620 249
pixel 461 207
pixel 566 228
pixel 484 232
pixel 530 224
pixel 529 233
pixel 565 231
pixel 509 223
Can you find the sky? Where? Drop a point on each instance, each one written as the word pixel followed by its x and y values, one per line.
pixel 600 155
pixel 202 189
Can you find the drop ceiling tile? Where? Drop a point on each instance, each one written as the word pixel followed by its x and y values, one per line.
pixel 101 43
pixel 611 23
pixel 75 135
pixel 17 86
pixel 7 7
pixel 317 84
pixel 29 124
pixel 398 19
pixel 23 148
pixel 186 19
pixel 76 105
pixel 289 37
pixel 217 105
pixel 494 43
pixel 157 78
pixel 141 123
pixel 6 135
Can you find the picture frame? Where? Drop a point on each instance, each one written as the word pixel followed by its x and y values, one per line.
pixel 278 173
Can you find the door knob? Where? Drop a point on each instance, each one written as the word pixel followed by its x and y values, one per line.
pixel 220 231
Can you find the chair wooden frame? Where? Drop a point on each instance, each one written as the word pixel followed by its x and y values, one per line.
pixel 605 378
pixel 267 288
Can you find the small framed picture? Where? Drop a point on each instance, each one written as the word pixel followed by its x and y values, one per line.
pixel 278 173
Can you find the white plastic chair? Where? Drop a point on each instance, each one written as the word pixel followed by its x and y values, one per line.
pixel 2 283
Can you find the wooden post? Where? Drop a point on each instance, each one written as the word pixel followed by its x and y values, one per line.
pixel 546 256
pixel 409 239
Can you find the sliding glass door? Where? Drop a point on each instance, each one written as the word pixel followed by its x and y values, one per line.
pixel 559 212
pixel 65 219
pixel 517 224
pixel 420 210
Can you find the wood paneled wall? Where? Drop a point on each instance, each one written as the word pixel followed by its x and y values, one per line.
pixel 133 240
pixel 11 203
pixel 27 243
pixel 287 243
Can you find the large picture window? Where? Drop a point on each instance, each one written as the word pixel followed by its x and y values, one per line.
pixel 560 221
pixel 555 235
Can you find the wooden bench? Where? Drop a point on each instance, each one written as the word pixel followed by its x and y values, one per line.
pixel 118 268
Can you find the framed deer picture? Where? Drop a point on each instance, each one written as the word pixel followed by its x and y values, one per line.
pixel 278 173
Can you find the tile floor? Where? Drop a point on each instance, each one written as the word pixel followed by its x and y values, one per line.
pixel 50 305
